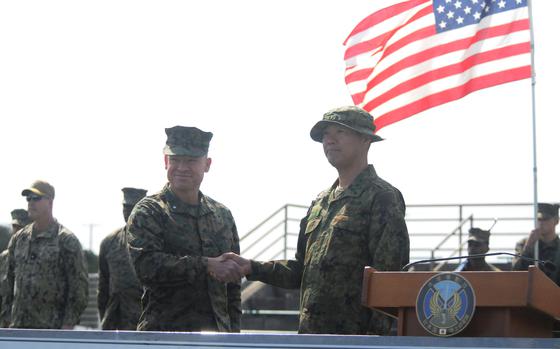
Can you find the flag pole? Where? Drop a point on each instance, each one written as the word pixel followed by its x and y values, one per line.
pixel 533 105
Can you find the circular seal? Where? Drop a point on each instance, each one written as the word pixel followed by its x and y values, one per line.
pixel 445 304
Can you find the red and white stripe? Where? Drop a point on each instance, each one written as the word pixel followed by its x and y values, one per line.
pixel 397 65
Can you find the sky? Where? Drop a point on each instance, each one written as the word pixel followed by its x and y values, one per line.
pixel 88 87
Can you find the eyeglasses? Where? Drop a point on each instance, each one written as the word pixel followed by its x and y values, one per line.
pixel 35 198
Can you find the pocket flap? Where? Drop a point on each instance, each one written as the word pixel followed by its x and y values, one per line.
pixel 312 225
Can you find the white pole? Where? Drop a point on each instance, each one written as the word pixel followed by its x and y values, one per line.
pixel 533 84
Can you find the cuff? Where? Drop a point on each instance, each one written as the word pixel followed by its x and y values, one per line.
pixel 255 271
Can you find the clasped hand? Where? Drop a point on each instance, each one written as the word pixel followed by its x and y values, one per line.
pixel 229 267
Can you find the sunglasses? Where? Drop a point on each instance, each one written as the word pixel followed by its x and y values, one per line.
pixel 35 198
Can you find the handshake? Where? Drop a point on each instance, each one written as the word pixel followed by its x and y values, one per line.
pixel 228 267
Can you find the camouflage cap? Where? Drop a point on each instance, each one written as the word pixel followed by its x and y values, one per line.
pixel 477 234
pixel 20 217
pixel 132 195
pixel 547 211
pixel 189 141
pixel 352 117
pixel 40 188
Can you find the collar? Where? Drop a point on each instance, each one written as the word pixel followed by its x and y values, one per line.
pixel 554 243
pixel 177 205
pixel 359 184
pixel 51 231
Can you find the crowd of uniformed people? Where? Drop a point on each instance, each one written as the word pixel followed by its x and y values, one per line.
pixel 176 265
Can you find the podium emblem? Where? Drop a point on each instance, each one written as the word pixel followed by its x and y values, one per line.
pixel 445 304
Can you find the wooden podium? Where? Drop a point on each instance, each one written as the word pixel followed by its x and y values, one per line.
pixel 508 304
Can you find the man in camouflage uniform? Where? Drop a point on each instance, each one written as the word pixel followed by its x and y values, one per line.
pixel 4 320
pixel 20 219
pixel 119 291
pixel 47 278
pixel 549 243
pixel 176 238
pixel 478 243
pixel 357 222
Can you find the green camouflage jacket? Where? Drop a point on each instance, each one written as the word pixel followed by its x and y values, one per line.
pixel 47 278
pixel 363 226
pixel 119 292
pixel 4 316
pixel 169 242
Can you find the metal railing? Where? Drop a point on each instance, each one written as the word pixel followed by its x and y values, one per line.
pixel 427 225
pixel 435 230
pixel 274 237
pixel 454 233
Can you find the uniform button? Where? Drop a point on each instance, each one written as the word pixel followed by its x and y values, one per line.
pixel 33 256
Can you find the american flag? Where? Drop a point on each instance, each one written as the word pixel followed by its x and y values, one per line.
pixel 417 54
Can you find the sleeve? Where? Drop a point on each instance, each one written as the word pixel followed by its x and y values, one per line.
pixel 520 263
pixel 7 284
pixel 284 273
pixel 103 284
pixel 145 231
pixel 77 279
pixel 234 291
pixel 555 275
pixel 389 243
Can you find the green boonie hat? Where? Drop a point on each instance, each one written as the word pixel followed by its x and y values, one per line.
pixel 477 234
pixel 40 188
pixel 189 141
pixel 352 117
pixel 547 211
pixel 20 217
pixel 132 195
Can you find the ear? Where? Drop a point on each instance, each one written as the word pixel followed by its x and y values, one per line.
pixel 166 161
pixel 208 163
